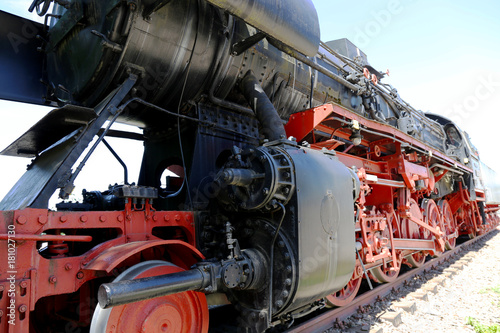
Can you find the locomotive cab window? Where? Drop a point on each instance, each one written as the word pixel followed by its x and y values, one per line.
pixel 453 138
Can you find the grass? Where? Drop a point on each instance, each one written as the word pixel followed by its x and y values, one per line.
pixel 480 328
pixel 496 290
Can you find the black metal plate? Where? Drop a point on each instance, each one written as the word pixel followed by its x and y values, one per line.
pixel 21 65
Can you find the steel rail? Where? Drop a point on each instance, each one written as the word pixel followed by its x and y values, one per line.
pixel 328 319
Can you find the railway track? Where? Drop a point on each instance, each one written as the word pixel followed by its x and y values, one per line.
pixel 334 318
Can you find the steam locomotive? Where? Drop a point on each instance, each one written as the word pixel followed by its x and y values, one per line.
pixel 278 171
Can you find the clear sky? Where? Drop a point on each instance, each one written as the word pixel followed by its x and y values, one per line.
pixel 442 56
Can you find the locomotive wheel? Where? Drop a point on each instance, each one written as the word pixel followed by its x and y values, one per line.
pixel 432 217
pixel 387 273
pixel 416 260
pixel 181 312
pixel 345 295
pixel 449 223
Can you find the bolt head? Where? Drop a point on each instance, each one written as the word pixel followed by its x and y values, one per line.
pixel 23 308
pixel 23 284
pixel 52 279
pixel 68 267
pixel 21 219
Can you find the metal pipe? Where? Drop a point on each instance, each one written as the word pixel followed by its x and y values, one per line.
pixel 272 126
pixel 46 238
pixel 300 57
pixel 446 168
pixel 124 292
pixel 293 22
pixel 125 170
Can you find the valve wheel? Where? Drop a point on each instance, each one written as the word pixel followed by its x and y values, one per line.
pixel 178 313
pixel 449 224
pixel 345 295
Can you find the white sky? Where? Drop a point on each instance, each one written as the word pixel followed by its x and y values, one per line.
pixel 442 57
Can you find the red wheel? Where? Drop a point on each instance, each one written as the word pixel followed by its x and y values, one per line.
pixel 178 313
pixel 413 231
pixel 389 270
pixel 432 217
pixel 449 224
pixel 385 273
pixel 345 295
pixel 416 260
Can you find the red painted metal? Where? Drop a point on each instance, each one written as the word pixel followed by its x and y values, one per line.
pixel 302 123
pixel 94 245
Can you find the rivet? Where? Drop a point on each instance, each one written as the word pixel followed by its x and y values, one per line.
pixel 177 218
pixel 79 275
pixel 119 218
pixel 42 219
pixel 68 267
pixel 166 218
pixel 21 219
pixel 52 279
pixel 155 218
pixel 83 218
pixel 23 284
pixel 102 218
pixel 63 218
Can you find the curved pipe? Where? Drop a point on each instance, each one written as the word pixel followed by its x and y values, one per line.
pixel 272 126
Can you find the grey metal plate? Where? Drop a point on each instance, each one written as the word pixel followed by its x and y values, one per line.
pixel 55 125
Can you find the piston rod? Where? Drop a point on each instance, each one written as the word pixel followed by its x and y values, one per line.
pixel 124 292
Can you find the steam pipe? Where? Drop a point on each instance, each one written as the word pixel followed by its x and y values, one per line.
pixel 272 126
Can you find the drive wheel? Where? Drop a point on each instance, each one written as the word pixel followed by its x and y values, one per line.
pixel 449 224
pixel 345 295
pixel 180 313
pixel 416 260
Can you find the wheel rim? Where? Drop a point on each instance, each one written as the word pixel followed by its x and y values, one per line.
pixel 345 295
pixel 450 224
pixel 416 260
pixel 432 217
pixel 387 272
pixel 177 313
